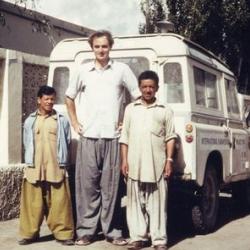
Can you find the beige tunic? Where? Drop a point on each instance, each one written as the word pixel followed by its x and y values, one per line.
pixel 46 165
pixel 145 130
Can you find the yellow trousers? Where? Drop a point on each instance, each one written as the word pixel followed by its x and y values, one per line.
pixel 50 200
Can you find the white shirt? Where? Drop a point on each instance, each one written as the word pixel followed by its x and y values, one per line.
pixel 145 130
pixel 100 93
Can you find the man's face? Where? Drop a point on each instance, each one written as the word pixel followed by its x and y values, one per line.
pixel 46 103
pixel 101 49
pixel 148 90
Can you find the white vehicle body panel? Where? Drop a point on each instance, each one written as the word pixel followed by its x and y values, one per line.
pixel 219 130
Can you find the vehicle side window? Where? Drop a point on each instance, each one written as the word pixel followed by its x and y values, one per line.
pixel 205 88
pixel 173 84
pixel 231 92
pixel 60 83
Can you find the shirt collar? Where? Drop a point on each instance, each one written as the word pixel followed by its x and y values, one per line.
pixel 52 114
pixel 93 67
pixel 156 103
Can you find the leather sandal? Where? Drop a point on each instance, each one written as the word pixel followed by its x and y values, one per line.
pixel 118 241
pixel 68 242
pixel 160 247
pixel 136 245
pixel 28 241
pixel 84 240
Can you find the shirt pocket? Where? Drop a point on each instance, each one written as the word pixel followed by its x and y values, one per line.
pixel 52 133
pixel 157 129
pixel 38 136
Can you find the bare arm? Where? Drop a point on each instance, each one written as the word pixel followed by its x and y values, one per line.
pixel 170 146
pixel 70 104
pixel 124 159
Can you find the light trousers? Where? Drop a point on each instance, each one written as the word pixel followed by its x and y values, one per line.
pixel 146 211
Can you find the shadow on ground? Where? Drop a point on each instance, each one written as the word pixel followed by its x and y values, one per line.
pixel 179 217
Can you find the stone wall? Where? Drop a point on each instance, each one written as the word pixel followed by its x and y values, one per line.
pixel 10 190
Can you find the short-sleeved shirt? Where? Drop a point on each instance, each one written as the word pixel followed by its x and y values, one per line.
pixel 146 129
pixel 46 167
pixel 99 95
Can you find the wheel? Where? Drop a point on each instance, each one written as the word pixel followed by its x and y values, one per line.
pixel 241 192
pixel 204 212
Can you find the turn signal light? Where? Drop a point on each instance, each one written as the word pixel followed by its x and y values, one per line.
pixel 189 138
pixel 189 128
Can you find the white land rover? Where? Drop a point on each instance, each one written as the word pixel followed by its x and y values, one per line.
pixel 211 118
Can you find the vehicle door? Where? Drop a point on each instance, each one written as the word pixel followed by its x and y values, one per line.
pixel 238 135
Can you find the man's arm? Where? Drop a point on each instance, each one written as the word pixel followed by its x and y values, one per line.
pixel 124 142
pixel 70 104
pixel 124 159
pixel 170 146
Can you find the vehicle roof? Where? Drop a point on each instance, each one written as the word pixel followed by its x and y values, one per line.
pixel 163 44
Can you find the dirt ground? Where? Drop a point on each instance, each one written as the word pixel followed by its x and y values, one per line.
pixel 232 233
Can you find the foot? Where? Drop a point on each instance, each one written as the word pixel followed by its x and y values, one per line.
pixel 118 241
pixel 160 247
pixel 68 242
pixel 84 240
pixel 136 245
pixel 27 241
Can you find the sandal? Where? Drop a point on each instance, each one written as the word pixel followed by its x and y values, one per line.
pixel 160 247
pixel 26 241
pixel 118 241
pixel 136 245
pixel 84 240
pixel 68 242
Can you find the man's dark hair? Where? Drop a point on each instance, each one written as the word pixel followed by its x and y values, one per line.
pixel 46 90
pixel 101 33
pixel 148 74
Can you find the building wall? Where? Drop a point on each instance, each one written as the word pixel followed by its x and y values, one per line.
pixel 32 32
pixel 26 40
pixel 18 99
pixel 21 74
pixel 10 190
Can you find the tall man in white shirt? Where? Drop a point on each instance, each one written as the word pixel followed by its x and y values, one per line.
pixel 100 84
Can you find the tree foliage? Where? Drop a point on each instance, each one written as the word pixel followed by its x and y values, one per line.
pixel 221 26
pixel 31 4
pixel 153 12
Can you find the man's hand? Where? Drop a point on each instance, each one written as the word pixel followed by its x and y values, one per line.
pixel 168 169
pixel 78 128
pixel 124 169
pixel 119 127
